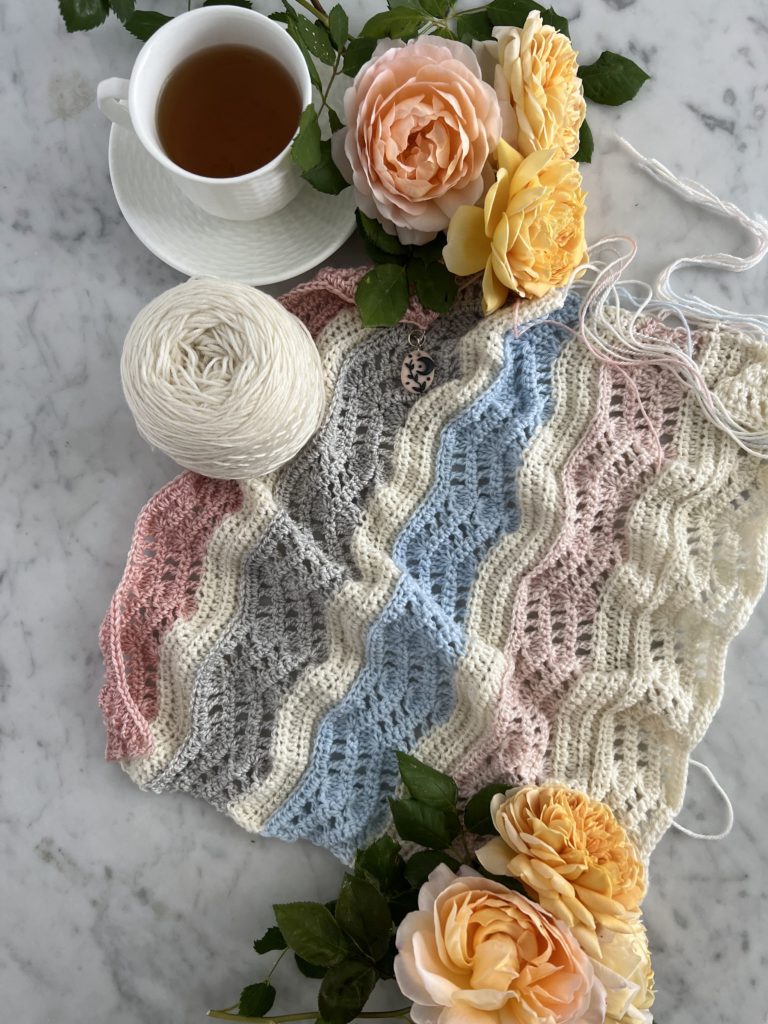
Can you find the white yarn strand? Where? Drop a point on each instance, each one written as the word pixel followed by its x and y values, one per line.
pixel 695 192
pixel 624 343
pixel 729 819
pixel 222 378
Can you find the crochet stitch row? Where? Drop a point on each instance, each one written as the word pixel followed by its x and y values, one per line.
pixel 532 570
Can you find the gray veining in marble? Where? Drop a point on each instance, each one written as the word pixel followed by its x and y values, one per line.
pixel 127 908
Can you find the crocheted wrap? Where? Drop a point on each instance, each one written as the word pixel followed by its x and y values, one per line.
pixel 531 571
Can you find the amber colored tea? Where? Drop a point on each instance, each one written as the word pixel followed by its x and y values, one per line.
pixel 227 110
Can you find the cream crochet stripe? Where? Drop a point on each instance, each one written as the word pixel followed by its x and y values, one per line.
pixel 694 570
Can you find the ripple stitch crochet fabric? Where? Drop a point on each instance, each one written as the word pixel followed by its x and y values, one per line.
pixel 532 570
pixel 413 648
pixel 295 568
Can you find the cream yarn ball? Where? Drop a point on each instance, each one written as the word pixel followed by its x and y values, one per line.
pixel 222 378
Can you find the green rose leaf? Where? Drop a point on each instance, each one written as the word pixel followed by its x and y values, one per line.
pixel 435 286
pixel 362 912
pixel 431 252
pixel 437 8
pixel 280 16
pixel 123 8
pixel 376 255
pixel 311 931
pixel 306 150
pixel 325 176
pixel 385 967
pixel 551 17
pixel 399 23
pixel 271 940
pixel 424 783
pixel 292 24
pixel 515 12
pixel 334 120
pixel 80 15
pixel 345 991
pixel 612 79
pixel 421 865
pixel 477 813
pixel 382 296
pixel 586 145
pixel 256 1000
pixel 404 903
pixel 359 51
pixel 426 8
pixel 316 39
pixel 422 824
pixel 475 26
pixel 338 25
pixel 381 861
pixel 309 970
pixel 372 231
pixel 229 3
pixel 144 24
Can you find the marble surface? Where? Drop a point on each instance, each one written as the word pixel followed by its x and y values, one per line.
pixel 123 907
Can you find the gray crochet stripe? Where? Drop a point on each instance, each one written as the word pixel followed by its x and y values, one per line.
pixel 294 569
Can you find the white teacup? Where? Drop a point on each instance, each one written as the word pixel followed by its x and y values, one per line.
pixel 133 104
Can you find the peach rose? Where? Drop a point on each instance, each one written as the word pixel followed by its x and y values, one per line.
pixel 626 972
pixel 421 124
pixel 572 854
pixel 529 236
pixel 477 953
pixel 540 93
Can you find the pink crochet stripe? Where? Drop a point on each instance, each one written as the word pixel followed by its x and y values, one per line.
pixel 556 600
pixel 159 585
pixel 165 563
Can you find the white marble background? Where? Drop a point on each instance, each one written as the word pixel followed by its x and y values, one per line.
pixel 122 907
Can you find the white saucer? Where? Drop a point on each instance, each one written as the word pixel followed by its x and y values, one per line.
pixel 265 251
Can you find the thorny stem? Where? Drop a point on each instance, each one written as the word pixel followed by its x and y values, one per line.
pixel 316 9
pixel 460 848
pixel 334 72
pixel 403 1014
pixel 272 969
pixel 465 845
pixel 452 15
pixel 469 10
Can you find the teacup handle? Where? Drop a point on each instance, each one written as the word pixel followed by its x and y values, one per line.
pixel 112 101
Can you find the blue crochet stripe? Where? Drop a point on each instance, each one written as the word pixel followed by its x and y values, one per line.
pixel 405 688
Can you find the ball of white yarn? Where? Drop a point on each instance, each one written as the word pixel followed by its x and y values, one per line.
pixel 223 379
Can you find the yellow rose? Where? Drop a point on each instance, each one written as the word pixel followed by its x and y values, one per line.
pixel 540 93
pixel 572 855
pixel 477 953
pixel 625 971
pixel 529 236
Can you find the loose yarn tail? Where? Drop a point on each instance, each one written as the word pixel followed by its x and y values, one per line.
pixel 729 815
pixel 695 192
pixel 628 323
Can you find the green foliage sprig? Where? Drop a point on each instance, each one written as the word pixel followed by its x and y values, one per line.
pixel 348 944
pixel 329 50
